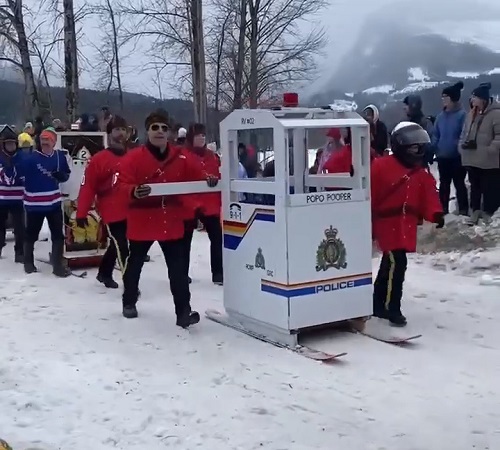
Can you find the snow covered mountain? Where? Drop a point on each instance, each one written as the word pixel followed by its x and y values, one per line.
pixel 410 48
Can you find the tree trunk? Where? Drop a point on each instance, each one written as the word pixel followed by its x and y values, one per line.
pixel 238 72
pixel 31 92
pixel 254 43
pixel 70 61
pixel 198 62
pixel 116 48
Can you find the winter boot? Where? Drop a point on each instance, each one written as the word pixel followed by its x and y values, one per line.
pixel 474 218
pixel 486 218
pixel 107 281
pixel 59 268
pixel 29 257
pixel 218 279
pixel 187 319
pixel 130 312
pixel 397 320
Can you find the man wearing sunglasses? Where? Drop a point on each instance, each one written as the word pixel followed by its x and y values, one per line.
pixel 159 218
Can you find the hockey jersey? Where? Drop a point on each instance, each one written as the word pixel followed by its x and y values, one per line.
pixel 41 189
pixel 11 182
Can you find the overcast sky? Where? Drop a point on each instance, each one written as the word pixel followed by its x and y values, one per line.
pixel 345 22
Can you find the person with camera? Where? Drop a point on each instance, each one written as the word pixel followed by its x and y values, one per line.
pixel 480 152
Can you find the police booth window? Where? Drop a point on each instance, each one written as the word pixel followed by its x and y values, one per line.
pixel 329 152
pixel 256 161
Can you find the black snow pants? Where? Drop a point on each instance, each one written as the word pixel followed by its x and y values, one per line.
pixel 484 189
pixel 34 224
pixel 214 230
pixel 388 286
pixel 16 211
pixel 117 249
pixel 451 170
pixel 173 252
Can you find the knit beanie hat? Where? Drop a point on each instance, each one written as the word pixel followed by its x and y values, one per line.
pixel 159 116
pixel 334 133
pixel 116 122
pixel 453 91
pixel 194 130
pixel 49 133
pixel 482 91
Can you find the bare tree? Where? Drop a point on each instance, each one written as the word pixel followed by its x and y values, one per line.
pixel 176 32
pixel 15 48
pixel 70 61
pixel 271 52
pixel 42 48
pixel 109 61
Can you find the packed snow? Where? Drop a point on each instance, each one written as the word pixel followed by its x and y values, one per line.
pixel 415 87
pixel 417 74
pixel 462 74
pixel 383 89
pixel 76 375
pixel 344 105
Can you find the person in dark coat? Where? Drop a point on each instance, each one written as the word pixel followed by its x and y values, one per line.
pixel 413 110
pixel 379 138
pixel 447 130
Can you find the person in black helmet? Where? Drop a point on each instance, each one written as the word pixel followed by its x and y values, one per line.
pixel 402 192
pixel 11 190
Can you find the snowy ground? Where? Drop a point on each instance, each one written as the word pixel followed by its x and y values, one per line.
pixel 75 375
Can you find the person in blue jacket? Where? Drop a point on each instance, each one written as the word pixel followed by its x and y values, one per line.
pixel 11 190
pixel 43 172
pixel 445 139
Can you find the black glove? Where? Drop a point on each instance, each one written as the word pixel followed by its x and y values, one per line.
pixel 82 223
pixel 59 176
pixel 439 220
pixel 141 191
pixel 212 181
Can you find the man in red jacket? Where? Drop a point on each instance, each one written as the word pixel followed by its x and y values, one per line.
pixel 209 213
pixel 402 192
pixel 159 218
pixel 111 203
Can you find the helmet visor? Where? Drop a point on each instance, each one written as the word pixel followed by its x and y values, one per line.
pixel 411 136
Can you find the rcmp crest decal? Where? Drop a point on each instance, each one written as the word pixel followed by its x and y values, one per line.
pixel 260 262
pixel 331 252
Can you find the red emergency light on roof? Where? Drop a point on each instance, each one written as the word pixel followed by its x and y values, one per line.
pixel 290 100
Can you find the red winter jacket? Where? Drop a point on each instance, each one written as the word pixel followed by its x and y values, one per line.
pixel 97 184
pixel 211 203
pixel 400 197
pixel 341 160
pixel 158 218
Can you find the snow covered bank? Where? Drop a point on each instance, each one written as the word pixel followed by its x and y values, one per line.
pixel 471 250
pixel 75 374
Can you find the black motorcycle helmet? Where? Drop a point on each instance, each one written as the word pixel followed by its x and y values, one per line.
pixel 6 135
pixel 408 143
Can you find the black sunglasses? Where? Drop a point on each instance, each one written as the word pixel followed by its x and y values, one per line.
pixel 156 127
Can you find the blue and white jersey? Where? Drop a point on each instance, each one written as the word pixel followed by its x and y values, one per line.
pixel 11 181
pixel 41 189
